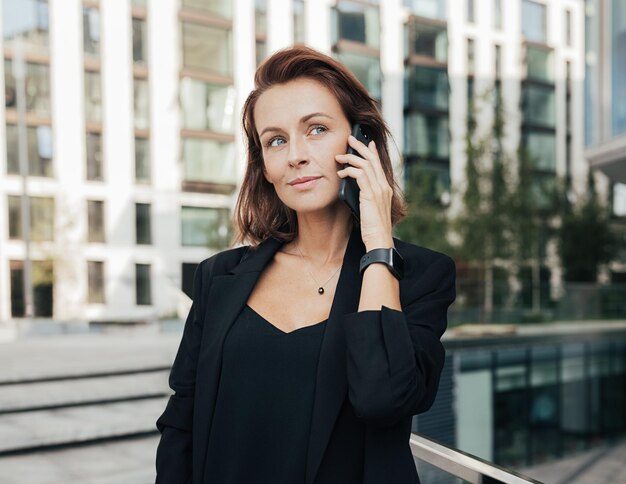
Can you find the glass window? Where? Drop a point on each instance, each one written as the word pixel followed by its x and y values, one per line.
pixel 143 226
pixel 142 160
pixel 544 404
pixel 140 41
pixel 539 63
pixel 43 281
pixel 498 61
pixel 470 10
pixel 95 221
pixel 574 399
pixel 37 87
pixel 95 169
pixel 534 21
pixel 205 227
pixel 143 289
pixel 17 288
pixel 538 105
pixel 28 18
pixel 93 97
pixel 541 148
pixel 91 30
pixel 15 217
pixel 260 17
pixel 298 21
pixel 430 41
pixel 357 23
pixel 95 282
pixel 430 179
pixel 427 136
pixel 207 106
pixel 366 69
pixel 40 150
pixel 427 87
pixel 497 14
pixel 428 8
pixel 142 104
pixel 42 219
pixel 139 3
pixel 510 408
pixel 470 56
pixel 260 51
pixel 209 161
pixel 221 8
pixel 618 68
pixel 207 48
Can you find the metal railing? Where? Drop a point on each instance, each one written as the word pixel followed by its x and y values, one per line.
pixel 458 464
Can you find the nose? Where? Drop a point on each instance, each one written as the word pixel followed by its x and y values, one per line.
pixel 297 154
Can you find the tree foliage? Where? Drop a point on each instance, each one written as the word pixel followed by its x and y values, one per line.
pixel 586 239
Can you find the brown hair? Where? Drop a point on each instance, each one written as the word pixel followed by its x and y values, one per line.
pixel 259 213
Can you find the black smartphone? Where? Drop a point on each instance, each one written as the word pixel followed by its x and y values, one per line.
pixel 349 189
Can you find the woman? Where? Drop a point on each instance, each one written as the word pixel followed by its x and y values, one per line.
pixel 300 361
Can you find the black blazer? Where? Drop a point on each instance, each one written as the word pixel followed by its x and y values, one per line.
pixel 376 368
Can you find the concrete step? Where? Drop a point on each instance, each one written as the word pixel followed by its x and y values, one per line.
pixel 128 461
pixel 46 395
pixel 35 430
pixel 46 359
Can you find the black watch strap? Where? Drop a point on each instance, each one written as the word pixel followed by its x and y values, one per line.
pixel 388 256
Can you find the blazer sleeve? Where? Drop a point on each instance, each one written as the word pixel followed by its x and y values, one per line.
pixel 173 457
pixel 395 358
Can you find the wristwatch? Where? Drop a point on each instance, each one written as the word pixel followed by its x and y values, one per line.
pixel 390 257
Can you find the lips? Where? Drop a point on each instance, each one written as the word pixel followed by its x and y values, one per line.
pixel 304 179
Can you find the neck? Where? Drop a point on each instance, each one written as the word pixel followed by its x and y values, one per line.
pixel 322 239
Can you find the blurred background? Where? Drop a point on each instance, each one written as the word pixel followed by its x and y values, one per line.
pixel 120 160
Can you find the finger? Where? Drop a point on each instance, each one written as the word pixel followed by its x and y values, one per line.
pixel 378 164
pixel 360 163
pixel 361 178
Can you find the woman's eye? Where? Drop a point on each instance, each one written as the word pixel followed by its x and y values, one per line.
pixel 275 142
pixel 321 128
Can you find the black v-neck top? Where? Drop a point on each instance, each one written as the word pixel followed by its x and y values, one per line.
pixel 260 429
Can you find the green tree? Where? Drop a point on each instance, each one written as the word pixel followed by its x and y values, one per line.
pixel 484 222
pixel 586 239
pixel 426 223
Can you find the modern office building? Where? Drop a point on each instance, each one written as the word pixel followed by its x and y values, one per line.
pixel 131 123
pixel 605 106
pixel 533 396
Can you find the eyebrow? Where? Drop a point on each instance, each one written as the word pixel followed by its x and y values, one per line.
pixel 303 119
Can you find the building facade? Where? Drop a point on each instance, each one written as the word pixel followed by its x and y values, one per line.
pixel 131 135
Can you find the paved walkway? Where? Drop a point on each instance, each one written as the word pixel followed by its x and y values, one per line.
pixel 606 465
pixel 131 460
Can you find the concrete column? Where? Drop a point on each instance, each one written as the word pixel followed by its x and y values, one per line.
pixel 317 26
pixel 392 66
pixel 165 60
pixel 244 67
pixel 279 25
pixel 68 128
pixel 118 128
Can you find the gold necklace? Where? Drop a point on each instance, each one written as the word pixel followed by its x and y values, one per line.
pixel 320 289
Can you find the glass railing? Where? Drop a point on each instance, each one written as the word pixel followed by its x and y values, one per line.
pixel 440 464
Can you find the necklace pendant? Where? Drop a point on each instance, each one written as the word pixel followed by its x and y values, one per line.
pixel 321 290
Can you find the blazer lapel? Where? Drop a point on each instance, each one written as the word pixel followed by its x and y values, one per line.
pixel 332 386
pixel 227 296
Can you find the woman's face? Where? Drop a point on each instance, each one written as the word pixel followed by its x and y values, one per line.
pixel 302 127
